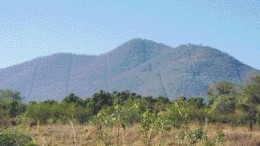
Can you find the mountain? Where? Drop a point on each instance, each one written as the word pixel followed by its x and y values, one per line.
pixel 140 66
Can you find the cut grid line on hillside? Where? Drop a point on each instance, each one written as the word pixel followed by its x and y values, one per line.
pixel 69 74
pixel 34 78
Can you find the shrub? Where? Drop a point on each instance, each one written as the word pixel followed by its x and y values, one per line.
pixel 8 138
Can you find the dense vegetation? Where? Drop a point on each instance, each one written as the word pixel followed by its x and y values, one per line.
pixel 227 103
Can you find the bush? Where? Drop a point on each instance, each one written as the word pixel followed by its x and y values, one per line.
pixel 8 138
pixel 39 112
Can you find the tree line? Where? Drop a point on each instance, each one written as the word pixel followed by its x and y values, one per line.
pixel 227 103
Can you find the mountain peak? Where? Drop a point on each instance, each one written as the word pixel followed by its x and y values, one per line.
pixel 201 51
pixel 139 45
pixel 139 40
pixel 135 52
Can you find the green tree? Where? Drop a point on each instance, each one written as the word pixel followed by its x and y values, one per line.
pixel 10 95
pixel 16 108
pixel 223 109
pixel 196 101
pixel 39 112
pixel 250 102
pixel 10 106
pixel 101 99
pixel 222 98
pixel 73 99
pixel 221 88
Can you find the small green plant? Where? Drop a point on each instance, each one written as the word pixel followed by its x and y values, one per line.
pixel 115 118
pixel 147 126
pixel 163 126
pixel 208 142
pixel 31 143
pixel 151 123
pixel 194 136
pixel 103 124
pixel 181 137
pixel 220 137
pixel 190 137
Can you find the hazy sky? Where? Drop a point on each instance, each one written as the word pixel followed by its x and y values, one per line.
pixel 33 28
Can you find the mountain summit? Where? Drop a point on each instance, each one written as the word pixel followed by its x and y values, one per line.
pixel 140 66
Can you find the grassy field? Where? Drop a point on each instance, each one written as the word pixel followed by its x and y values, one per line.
pixel 88 135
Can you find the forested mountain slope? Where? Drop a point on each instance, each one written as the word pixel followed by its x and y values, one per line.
pixel 141 66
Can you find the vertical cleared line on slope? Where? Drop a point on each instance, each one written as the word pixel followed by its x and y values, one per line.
pixel 69 74
pixel 238 73
pixel 144 54
pixel 164 93
pixel 34 78
pixel 106 74
pixel 145 58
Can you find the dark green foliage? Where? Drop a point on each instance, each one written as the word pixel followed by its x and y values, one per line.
pixel 194 136
pixel 120 97
pixel 73 99
pixel 196 101
pixel 83 115
pixel 58 112
pixel 16 138
pixel 10 106
pixel 39 112
pixel 101 99
pixel 164 100
pixel 16 108
pixel 148 103
pixel 50 102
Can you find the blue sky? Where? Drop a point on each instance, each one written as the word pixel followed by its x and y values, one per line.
pixel 31 28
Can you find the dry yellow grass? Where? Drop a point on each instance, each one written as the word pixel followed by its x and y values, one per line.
pixel 241 136
pixel 86 135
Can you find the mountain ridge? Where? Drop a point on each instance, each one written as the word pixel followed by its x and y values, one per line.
pixel 139 65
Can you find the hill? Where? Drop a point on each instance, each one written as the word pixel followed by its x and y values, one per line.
pixel 141 66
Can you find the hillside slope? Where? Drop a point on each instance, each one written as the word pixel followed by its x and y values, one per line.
pixel 141 66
